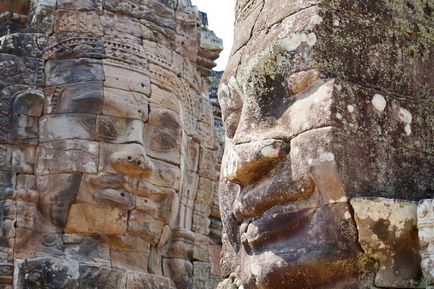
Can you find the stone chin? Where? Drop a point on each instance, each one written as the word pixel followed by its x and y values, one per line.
pixel 313 248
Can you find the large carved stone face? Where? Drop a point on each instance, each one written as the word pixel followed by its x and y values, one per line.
pixel 103 119
pixel 307 136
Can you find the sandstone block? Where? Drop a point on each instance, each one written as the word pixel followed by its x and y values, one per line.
pixel 78 21
pixel 165 175
pixel 75 45
pixel 207 164
pixel 46 271
pixel 42 20
pixel 102 278
pixel 24 44
pixel 26 70
pixel 82 5
pixel 85 97
pixel 118 25
pixel 163 135
pixel 201 273
pixel 119 130
pixel 73 71
pixel 120 77
pixel 67 126
pixel 384 226
pixel 125 104
pixel 164 98
pixel 147 281
pixel 201 248
pixel 17 158
pixel 67 156
pixel 88 219
pixel 144 225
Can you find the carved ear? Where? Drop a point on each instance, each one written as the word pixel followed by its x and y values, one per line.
pixel 29 102
pixel 17 6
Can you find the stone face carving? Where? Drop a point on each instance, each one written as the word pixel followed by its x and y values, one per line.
pixel 106 145
pixel 320 113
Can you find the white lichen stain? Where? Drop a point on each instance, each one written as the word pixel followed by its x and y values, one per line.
pixel 311 39
pixel 339 116
pixel 233 85
pixel 406 117
pixel 350 108
pixel 327 157
pixel 398 213
pixel 315 20
pixel 336 22
pixel 379 102
pixel 273 262
pixel 270 152
pixel 347 215
pixel 292 42
pixel 342 199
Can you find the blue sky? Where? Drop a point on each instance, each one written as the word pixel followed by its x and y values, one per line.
pixel 221 21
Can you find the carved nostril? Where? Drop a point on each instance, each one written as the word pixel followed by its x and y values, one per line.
pixel 139 163
pixel 129 158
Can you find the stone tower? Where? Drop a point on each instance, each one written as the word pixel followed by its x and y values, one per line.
pixel 328 110
pixel 107 145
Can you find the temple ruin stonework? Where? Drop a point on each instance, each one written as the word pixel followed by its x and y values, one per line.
pixel 111 144
pixel 327 178
pixel 108 171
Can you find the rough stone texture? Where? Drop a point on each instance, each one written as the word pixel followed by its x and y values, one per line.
pixel 388 233
pixel 324 102
pixel 425 224
pixel 107 145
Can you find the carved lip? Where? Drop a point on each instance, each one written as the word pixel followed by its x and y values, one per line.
pixel 254 201
pixel 272 227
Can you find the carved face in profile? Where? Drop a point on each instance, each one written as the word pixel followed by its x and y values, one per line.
pixel 302 145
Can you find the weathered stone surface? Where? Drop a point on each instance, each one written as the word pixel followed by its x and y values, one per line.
pixel 85 97
pixel 66 156
pixel 125 104
pixel 16 70
pixel 75 45
pixel 388 233
pixel 122 78
pixel 42 20
pixel 425 214
pixel 163 135
pixel 24 44
pixel 119 130
pixel 325 103
pixel 73 70
pixel 102 112
pixel 74 126
pixel 85 218
pixel 77 21
pixel 45 272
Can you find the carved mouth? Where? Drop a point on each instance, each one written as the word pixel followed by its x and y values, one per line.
pixel 113 189
pixel 255 201
pixel 273 228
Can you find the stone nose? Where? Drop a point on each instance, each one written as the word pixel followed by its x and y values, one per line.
pixel 132 161
pixel 249 161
